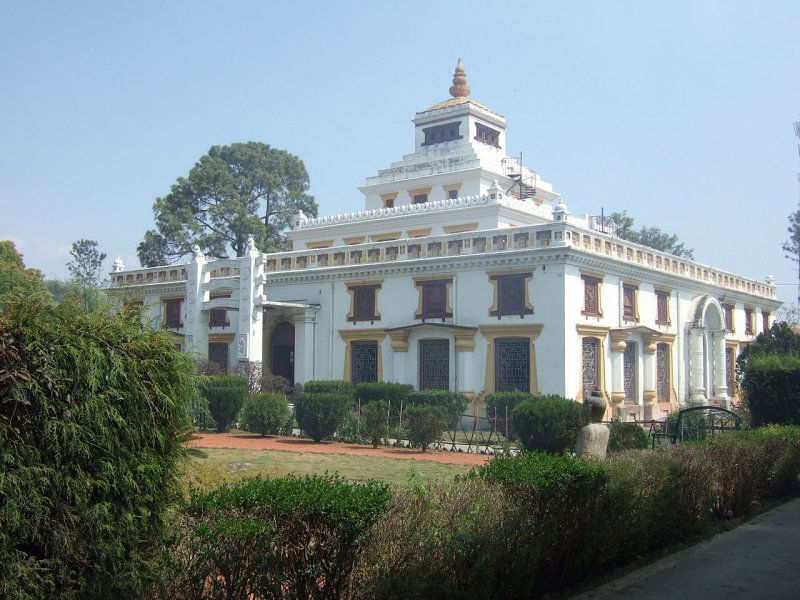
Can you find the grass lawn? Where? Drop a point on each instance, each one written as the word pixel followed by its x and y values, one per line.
pixel 226 464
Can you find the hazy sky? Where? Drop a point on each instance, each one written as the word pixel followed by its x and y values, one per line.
pixel 679 112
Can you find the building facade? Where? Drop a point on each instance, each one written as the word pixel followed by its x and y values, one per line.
pixel 466 271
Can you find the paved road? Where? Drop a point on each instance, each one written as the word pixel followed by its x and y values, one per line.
pixel 760 559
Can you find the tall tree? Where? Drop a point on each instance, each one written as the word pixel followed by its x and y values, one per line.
pixel 792 246
pixel 86 264
pixel 231 193
pixel 652 237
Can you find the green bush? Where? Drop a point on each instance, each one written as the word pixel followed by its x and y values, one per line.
pixel 265 413
pixel 626 436
pixel 425 424
pixel 329 387
pixel 225 395
pixel 501 403
pixel 319 414
pixel 375 421
pixel 394 393
pixel 548 423
pixel 452 404
pixel 770 384
pixel 273 538
pixel 93 411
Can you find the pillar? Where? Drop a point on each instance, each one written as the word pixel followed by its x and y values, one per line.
pixel 399 353
pixel 250 331
pixel 720 369
pixel 648 374
pixel 305 345
pixel 195 327
pixel 697 392
pixel 618 345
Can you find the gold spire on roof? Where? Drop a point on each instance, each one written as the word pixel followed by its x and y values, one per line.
pixel 460 89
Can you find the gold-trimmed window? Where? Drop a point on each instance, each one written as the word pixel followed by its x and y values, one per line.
pixel 727 311
pixel 630 311
pixel 662 307
pixel 511 294
pixel 749 327
pixel 765 320
pixel 364 302
pixel 591 296
pixel 505 365
pixel 434 298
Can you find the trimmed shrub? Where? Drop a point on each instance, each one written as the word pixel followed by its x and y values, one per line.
pixel 273 538
pixel 94 408
pixel 319 414
pixel 453 404
pixel 329 387
pixel 626 436
pixel 225 395
pixel 394 393
pixel 496 406
pixel 771 387
pixel 265 413
pixel 549 423
pixel 375 421
pixel 425 424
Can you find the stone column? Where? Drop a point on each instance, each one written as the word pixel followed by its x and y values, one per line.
pixel 195 326
pixel 250 331
pixel 618 345
pixel 648 374
pixel 720 369
pixel 304 346
pixel 697 395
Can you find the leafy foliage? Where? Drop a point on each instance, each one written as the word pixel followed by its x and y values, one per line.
pixel 425 424
pixel 15 279
pixel 333 386
pixel 265 413
pixel 771 388
pixel 652 237
pixel 92 410
pixel 778 339
pixel 225 395
pixel 319 414
pixel 792 245
pixel 86 264
pixel 548 423
pixel 500 404
pixel 626 436
pixel 287 537
pixel 375 420
pixel 394 393
pixel 231 193
pixel 452 404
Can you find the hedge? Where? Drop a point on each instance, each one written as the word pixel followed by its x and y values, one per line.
pixel 771 385
pixel 394 393
pixel 273 538
pixel 549 423
pixel 319 414
pixel 329 387
pixel 500 404
pixel 453 404
pixel 265 413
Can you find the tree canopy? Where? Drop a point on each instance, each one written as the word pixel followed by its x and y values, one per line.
pixel 15 279
pixel 235 191
pixel 652 237
pixel 86 263
pixel 792 245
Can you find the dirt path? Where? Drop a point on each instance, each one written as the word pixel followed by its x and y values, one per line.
pixel 292 444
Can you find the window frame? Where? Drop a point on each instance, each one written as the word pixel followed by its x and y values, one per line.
pixel 662 300
pixel 630 308
pixel 354 345
pixel 365 290
pixel 501 283
pixel 727 315
pixel 215 312
pixel 749 322
pixel 426 287
pixel 589 282
pixel 171 319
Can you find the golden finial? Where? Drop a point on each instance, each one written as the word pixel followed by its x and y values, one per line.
pixel 460 89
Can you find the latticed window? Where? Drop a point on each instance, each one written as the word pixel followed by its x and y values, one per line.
pixel 765 319
pixel 434 365
pixel 434 299
pixel 727 309
pixel 172 310
pixel 364 303
pixel 629 372
pixel 511 295
pixel 748 321
pixel 512 365
pixel 662 308
pixel 591 296
pixel 364 362
pixel 662 372
pixel 590 349
pixel 629 302
pixel 218 354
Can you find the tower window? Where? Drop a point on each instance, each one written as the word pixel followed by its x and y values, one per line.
pixel 442 133
pixel 487 135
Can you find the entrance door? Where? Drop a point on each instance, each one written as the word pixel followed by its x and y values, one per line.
pixel 282 350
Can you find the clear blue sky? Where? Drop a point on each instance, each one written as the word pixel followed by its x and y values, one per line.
pixel 679 112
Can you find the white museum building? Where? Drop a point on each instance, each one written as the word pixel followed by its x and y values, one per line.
pixel 466 271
